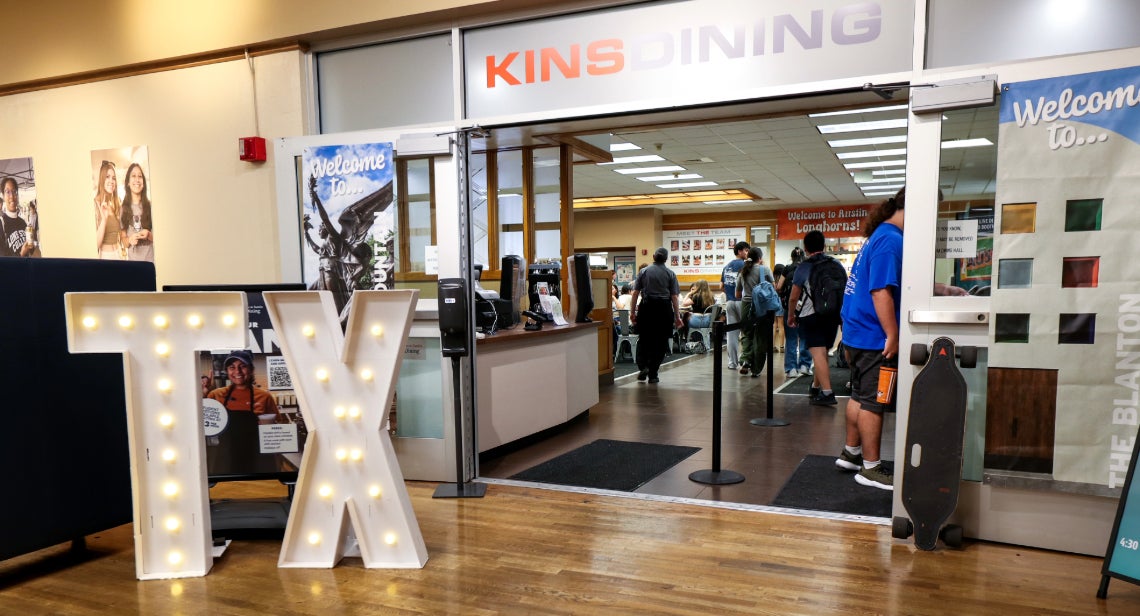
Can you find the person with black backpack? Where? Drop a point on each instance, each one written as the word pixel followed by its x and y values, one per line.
pixel 817 296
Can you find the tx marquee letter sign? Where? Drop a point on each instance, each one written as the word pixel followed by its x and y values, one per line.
pixel 344 384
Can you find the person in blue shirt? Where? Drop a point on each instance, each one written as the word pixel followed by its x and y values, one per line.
pixel 732 305
pixel 871 335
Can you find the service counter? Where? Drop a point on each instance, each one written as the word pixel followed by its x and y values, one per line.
pixel 529 381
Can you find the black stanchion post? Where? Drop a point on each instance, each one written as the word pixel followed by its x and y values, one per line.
pixel 454 340
pixel 771 397
pixel 716 476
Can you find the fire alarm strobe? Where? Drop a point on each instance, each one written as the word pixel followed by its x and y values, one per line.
pixel 252 149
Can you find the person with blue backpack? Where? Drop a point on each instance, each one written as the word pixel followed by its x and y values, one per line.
pixel 817 294
pixel 756 329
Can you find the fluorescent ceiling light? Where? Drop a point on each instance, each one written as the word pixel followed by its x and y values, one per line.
pixel 966 143
pixel 728 201
pixel 645 158
pixel 874 180
pixel 687 185
pixel 650 169
pixel 666 178
pixel 865 141
pixel 621 147
pixel 885 193
pixel 882 187
pixel 873 164
pixel 851 111
pixel 889 172
pixel 854 127
pixel 871 153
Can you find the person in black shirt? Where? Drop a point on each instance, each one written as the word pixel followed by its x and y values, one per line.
pixel 657 314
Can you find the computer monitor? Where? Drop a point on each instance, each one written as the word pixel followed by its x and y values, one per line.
pixel 235 438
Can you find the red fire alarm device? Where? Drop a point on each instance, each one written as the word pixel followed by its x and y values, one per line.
pixel 252 149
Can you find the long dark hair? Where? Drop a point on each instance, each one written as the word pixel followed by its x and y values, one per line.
pixel 754 256
pixel 883 211
pixel 126 216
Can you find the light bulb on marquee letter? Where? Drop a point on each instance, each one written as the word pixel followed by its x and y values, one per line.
pixel 338 374
pixel 164 407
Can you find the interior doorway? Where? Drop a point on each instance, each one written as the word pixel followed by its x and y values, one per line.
pixel 810 152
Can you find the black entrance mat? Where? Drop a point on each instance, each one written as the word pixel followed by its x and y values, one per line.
pixel 608 465
pixel 817 485
pixel 799 386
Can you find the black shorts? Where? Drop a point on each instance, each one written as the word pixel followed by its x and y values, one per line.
pixel 818 331
pixel 865 379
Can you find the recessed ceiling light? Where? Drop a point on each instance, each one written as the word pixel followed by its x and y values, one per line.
pixel 728 201
pixel 865 141
pixel 621 147
pixel 884 193
pixel 871 153
pixel 686 185
pixel 875 180
pixel 873 164
pixel 889 172
pixel 650 169
pixel 665 178
pixel 854 127
pixel 645 158
pixel 966 143
pixel 851 111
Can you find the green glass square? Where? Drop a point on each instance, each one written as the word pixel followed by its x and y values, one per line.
pixel 1011 327
pixel 1083 214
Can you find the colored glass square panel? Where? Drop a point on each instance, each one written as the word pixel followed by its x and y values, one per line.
pixel 1077 328
pixel 1015 273
pixel 1019 218
pixel 1078 272
pixel 1083 214
pixel 1011 327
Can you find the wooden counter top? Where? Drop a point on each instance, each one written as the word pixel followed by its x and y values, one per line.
pixel 518 334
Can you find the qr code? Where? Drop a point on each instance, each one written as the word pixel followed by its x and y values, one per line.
pixel 279 377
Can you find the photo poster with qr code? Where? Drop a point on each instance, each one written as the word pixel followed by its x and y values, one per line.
pixel 240 452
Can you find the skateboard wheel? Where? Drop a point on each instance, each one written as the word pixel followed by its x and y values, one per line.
pixel 901 528
pixel 918 354
pixel 952 535
pixel 968 356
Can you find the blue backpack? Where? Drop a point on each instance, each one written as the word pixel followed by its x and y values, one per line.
pixel 765 299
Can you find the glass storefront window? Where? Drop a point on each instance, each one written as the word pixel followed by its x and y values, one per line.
pixel 510 194
pixel 415 215
pixel 547 205
pixel 477 197
pixel 968 181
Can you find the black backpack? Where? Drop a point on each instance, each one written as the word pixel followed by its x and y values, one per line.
pixel 827 281
pixel 785 290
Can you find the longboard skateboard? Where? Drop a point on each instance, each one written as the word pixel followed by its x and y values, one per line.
pixel 932 463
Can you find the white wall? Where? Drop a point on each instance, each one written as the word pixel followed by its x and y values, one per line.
pixel 214 216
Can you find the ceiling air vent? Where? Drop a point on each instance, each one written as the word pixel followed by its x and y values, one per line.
pixel 697 161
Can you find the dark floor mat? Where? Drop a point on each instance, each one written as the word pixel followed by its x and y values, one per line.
pixel 818 485
pixel 608 465
pixel 799 386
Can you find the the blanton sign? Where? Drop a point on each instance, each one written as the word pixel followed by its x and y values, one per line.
pixel 838 221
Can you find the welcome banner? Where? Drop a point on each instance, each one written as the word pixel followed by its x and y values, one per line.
pixel 1064 377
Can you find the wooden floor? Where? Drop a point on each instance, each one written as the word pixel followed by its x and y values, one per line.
pixel 678 411
pixel 523 550
pixel 532 551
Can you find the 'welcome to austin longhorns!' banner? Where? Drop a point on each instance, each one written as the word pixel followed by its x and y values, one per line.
pixel 1066 306
pixel 836 221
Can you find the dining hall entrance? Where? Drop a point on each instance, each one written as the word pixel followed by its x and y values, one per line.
pixel 696 181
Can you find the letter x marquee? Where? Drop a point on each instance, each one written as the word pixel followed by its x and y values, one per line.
pixel 344 383
pixel 349 470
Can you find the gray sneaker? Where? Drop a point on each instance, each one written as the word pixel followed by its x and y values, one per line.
pixel 877 477
pixel 849 462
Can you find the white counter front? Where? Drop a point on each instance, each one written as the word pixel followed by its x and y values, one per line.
pixel 531 381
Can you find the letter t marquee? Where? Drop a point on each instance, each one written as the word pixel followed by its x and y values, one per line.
pixel 158 334
pixel 344 384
